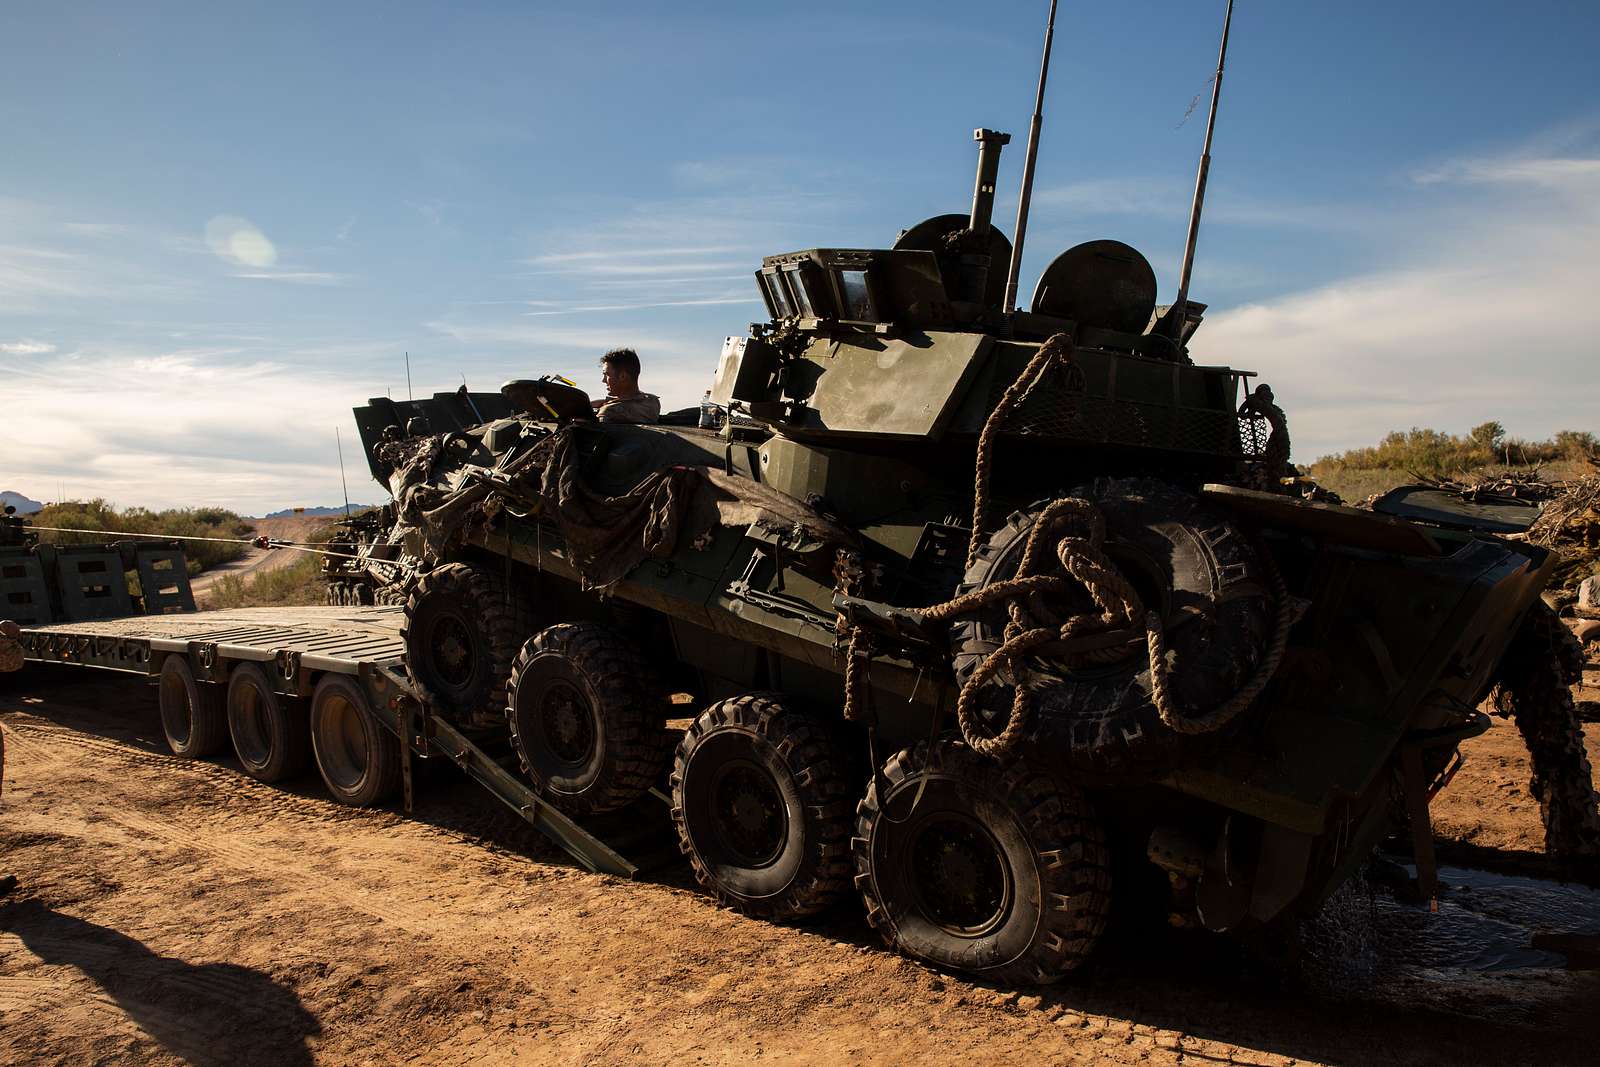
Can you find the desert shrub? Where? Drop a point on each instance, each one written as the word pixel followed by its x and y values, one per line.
pixel 97 515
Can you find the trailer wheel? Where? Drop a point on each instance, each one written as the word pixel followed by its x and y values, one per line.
pixel 271 732
pixel 358 759
pixel 762 805
pixel 462 628
pixel 588 719
pixel 996 871
pixel 191 713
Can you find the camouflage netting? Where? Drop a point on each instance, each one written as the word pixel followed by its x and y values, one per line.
pixel 1536 677
pixel 606 536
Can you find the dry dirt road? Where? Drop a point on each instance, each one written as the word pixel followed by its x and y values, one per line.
pixel 173 911
pixel 258 560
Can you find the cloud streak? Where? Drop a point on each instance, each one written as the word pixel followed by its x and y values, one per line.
pixel 1492 315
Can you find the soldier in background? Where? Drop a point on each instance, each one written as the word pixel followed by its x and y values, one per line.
pixel 623 402
pixel 10 660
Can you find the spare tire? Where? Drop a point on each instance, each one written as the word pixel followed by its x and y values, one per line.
pixel 1188 562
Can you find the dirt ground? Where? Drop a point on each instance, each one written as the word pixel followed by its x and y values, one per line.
pixel 173 911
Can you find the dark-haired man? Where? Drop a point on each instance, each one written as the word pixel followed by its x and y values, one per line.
pixel 623 402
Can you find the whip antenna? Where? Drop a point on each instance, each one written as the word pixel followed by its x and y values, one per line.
pixel 1180 306
pixel 339 444
pixel 408 377
pixel 1010 300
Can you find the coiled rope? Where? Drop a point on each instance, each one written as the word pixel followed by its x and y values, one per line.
pixel 1032 625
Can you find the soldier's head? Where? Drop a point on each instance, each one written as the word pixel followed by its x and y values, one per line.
pixel 619 370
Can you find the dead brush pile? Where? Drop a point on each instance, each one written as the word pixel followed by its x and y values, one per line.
pixel 1570 524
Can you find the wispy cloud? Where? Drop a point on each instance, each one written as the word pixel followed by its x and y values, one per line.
pixel 297 277
pixel 27 348
pixel 1490 315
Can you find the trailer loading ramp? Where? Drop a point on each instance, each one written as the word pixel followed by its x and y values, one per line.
pixel 295 646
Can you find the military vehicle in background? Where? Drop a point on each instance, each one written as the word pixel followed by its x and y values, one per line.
pixel 984 612
pixel 362 565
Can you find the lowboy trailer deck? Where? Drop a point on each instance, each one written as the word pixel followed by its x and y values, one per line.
pixel 293 685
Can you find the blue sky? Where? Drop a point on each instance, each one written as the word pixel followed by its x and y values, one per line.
pixel 221 226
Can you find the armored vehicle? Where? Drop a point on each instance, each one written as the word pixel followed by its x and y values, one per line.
pixel 983 615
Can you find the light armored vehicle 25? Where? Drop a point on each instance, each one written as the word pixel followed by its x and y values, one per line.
pixel 987 615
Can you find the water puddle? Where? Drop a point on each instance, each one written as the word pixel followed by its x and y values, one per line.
pixel 1475 955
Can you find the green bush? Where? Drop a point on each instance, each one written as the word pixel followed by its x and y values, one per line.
pixel 97 515
pixel 300 583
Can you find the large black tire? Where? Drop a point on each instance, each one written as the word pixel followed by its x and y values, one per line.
pixel 359 759
pixel 462 629
pixel 761 799
pixel 588 718
pixel 1000 872
pixel 192 716
pixel 1184 558
pixel 271 732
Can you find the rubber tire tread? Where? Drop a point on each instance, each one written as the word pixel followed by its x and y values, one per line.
pixel 1105 733
pixel 820 771
pixel 629 699
pixel 500 616
pixel 208 719
pixel 288 727
pixel 384 748
pixel 1067 841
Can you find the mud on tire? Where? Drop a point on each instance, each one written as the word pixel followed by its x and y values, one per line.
pixel 462 629
pixel 1186 560
pixel 762 805
pixel 588 718
pixel 996 871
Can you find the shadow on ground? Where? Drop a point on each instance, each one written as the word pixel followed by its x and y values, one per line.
pixel 209 1014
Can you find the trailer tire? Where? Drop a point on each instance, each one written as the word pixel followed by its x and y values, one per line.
pixel 358 759
pixel 462 629
pixel 588 718
pixel 192 715
pixel 761 800
pixel 271 732
pixel 998 871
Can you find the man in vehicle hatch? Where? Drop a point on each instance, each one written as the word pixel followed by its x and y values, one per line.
pixel 623 402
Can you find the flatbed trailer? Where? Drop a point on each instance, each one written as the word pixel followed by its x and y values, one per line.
pixel 296 648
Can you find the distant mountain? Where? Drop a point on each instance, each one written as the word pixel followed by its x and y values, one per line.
pixel 315 513
pixel 24 505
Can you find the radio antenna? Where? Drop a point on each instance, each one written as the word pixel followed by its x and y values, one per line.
pixel 1010 300
pixel 408 374
pixel 1180 306
pixel 339 444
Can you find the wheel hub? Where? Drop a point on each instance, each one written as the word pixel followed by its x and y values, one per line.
pixel 961 878
pixel 749 814
pixel 452 652
pixel 567 724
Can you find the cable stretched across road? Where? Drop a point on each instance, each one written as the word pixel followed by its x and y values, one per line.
pixel 255 542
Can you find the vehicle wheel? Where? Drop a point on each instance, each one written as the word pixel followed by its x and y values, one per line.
pixel 462 629
pixel 588 719
pixel 364 595
pixel 358 758
pixel 762 805
pixel 1186 561
pixel 191 713
pixel 271 732
pixel 999 872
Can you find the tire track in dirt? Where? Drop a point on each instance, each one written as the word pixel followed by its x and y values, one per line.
pixel 481 826
pixel 35 740
pixel 24 994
